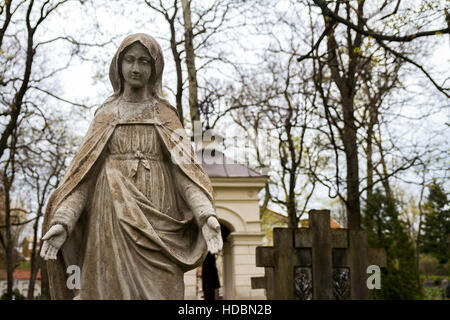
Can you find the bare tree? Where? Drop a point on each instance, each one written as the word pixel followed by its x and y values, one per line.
pixel 190 61
pixel 34 17
pixel 12 229
pixel 170 14
pixel 27 86
pixel 430 10
pixel 42 160
pixel 353 90
pixel 9 170
pixel 194 26
pixel 355 79
pixel 280 105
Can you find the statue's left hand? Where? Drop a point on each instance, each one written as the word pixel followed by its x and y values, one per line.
pixel 212 235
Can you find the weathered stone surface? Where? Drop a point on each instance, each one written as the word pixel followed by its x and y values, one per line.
pixel 335 259
pixel 135 209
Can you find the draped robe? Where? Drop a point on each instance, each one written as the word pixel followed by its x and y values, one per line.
pixel 128 241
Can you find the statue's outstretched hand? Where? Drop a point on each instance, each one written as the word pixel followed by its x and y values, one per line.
pixel 212 235
pixel 53 240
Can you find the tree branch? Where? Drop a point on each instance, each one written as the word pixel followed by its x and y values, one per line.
pixel 326 11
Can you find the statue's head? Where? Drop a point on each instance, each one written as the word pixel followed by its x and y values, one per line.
pixel 138 62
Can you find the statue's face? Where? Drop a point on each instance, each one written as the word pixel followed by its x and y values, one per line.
pixel 136 66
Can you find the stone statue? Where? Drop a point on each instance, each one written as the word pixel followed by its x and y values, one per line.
pixel 135 209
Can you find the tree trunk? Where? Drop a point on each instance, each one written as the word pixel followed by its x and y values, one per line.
pixel 291 204
pixel 179 93
pixel 266 198
pixel 8 16
pixel 177 59
pixel 346 83
pixel 7 183
pixel 16 105
pixel 369 151
pixel 369 163
pixel 419 238
pixel 349 137
pixel 9 247
pixel 33 274
pixel 351 156
pixel 190 62
pixel 45 290
pixel 35 259
pixel 384 176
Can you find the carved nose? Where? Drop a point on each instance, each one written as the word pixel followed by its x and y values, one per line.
pixel 135 69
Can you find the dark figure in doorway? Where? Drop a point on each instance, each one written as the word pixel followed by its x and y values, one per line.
pixel 210 277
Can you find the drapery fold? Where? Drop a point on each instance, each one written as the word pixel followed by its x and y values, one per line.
pixel 144 208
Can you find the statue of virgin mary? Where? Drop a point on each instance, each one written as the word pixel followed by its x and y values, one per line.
pixel 135 209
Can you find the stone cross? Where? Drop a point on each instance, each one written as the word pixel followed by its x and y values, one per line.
pixel 317 262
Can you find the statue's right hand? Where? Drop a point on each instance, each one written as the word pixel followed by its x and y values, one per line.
pixel 53 240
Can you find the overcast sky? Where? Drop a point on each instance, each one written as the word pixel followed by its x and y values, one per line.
pixel 87 82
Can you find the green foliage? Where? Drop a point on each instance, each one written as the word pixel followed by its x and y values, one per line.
pixel 428 265
pixel 400 279
pixel 437 290
pixel 24 265
pixel 433 293
pixel 436 228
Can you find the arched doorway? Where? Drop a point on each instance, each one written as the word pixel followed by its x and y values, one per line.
pixel 216 271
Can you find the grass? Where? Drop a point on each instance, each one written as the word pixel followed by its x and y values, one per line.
pixel 435 292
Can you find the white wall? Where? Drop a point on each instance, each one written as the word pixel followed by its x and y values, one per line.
pixel 22 286
pixel 237 205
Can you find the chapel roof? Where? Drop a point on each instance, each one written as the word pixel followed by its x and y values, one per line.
pixel 217 165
